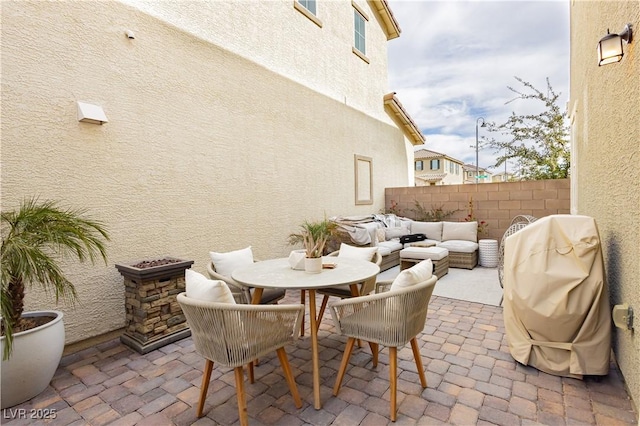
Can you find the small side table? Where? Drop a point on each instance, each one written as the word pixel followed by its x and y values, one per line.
pixel 488 253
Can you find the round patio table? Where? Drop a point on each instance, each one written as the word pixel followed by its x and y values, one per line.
pixel 277 273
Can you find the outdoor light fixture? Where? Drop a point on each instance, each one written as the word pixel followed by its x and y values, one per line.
pixel 89 113
pixel 610 46
pixel 482 125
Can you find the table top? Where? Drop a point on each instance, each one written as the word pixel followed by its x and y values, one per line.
pixel 277 273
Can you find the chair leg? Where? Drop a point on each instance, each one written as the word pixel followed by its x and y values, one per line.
pixel 374 352
pixel 242 402
pixel 323 306
pixel 204 387
pixel 250 372
pixel 302 302
pixel 343 365
pixel 284 361
pixel 393 379
pixel 418 359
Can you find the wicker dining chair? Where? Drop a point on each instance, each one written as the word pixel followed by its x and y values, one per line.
pixel 242 293
pixel 391 319
pixel 233 335
pixel 517 223
pixel 344 291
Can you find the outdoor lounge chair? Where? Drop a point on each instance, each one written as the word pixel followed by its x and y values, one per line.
pixel 233 335
pixel 391 319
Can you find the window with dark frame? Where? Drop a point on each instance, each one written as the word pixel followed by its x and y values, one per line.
pixel 419 165
pixel 435 164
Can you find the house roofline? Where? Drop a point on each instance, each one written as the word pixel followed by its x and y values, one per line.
pixel 390 25
pixel 409 127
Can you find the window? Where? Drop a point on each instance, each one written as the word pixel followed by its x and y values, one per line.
pixel 310 5
pixel 435 164
pixel 457 169
pixel 451 167
pixel 359 32
pixel 419 165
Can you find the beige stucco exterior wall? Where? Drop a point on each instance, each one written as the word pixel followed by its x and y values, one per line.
pixel 204 150
pixel 605 107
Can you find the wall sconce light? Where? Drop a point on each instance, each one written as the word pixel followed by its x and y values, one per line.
pixel 610 46
pixel 93 114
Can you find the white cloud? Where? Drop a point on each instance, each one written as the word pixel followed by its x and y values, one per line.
pixel 454 60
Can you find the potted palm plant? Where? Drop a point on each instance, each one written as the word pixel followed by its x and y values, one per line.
pixel 34 236
pixel 313 236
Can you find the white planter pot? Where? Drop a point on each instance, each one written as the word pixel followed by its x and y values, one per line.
pixel 34 360
pixel 313 265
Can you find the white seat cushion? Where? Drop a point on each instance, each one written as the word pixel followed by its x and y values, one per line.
pixel 200 287
pixel 459 246
pixel 392 245
pixel 433 253
pixel 226 263
pixel 384 251
pixel 416 274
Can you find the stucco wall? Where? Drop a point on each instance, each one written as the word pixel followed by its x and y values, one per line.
pixel 495 203
pixel 605 114
pixel 277 36
pixel 203 150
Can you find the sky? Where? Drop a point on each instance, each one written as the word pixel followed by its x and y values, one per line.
pixel 454 60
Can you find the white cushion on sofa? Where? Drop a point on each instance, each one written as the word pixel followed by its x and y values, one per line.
pixel 200 287
pixel 396 232
pixel 460 246
pixel 226 263
pixel 433 230
pixel 384 251
pixel 392 245
pixel 467 231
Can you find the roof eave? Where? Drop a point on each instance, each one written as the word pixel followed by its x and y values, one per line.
pixel 390 25
pixel 409 127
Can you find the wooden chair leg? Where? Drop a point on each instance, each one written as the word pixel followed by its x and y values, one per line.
pixel 302 302
pixel 343 365
pixel 250 372
pixel 204 387
pixel 323 306
pixel 374 352
pixel 242 402
pixel 284 361
pixel 393 379
pixel 418 359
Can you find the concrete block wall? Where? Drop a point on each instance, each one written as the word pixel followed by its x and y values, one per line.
pixel 496 203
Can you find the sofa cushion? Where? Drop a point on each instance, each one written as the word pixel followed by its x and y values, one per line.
pixel 433 230
pixel 226 263
pixel 200 287
pixel 384 251
pixel 459 246
pixel 467 231
pixel 395 232
pixel 361 253
pixel 416 274
pixel 433 253
pixel 392 245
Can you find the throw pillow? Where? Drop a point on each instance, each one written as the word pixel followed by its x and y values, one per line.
pixel 381 235
pixel 226 263
pixel 467 231
pixel 396 232
pixel 362 253
pixel 200 287
pixel 414 275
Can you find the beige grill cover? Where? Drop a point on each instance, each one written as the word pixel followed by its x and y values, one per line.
pixel 556 302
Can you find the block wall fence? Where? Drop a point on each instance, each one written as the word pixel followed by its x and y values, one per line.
pixel 495 203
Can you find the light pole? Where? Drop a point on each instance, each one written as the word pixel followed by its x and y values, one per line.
pixel 482 125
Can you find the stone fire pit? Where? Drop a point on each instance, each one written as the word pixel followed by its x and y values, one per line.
pixel 154 318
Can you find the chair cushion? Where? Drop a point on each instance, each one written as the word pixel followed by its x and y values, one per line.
pixel 226 263
pixel 416 274
pixel 433 253
pixel 459 246
pixel 392 245
pixel 467 231
pixel 200 287
pixel 361 253
pixel 384 251
pixel 433 230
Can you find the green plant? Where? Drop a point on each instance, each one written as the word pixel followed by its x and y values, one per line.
pixel 436 214
pixel 33 236
pixel 314 236
pixel 471 217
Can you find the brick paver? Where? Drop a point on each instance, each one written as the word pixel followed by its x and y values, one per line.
pixel 471 379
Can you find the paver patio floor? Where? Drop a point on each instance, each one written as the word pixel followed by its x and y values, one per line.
pixel 471 377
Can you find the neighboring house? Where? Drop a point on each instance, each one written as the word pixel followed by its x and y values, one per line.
pixel 434 168
pixel 502 177
pixel 485 176
pixel 229 124
pixel 604 112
